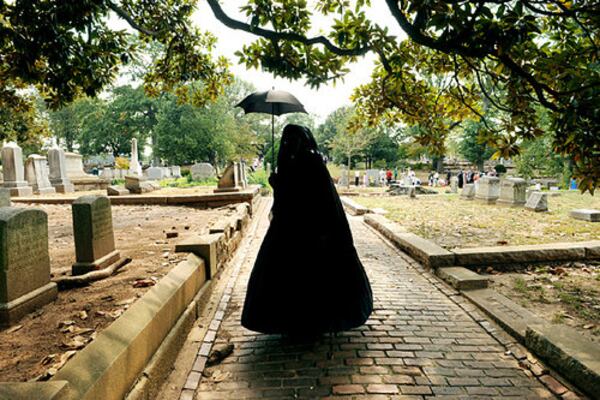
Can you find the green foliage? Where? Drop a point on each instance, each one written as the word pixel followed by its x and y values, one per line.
pixel 187 182
pixel 500 169
pixel 471 147
pixel 259 177
pixel 537 158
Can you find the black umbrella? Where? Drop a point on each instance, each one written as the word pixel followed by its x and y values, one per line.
pixel 274 102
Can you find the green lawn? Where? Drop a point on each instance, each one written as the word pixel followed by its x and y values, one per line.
pixel 453 222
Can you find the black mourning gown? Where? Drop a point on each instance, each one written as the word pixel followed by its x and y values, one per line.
pixel 307 278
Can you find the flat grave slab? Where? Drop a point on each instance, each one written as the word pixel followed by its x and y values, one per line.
pixel 586 214
pixel 462 278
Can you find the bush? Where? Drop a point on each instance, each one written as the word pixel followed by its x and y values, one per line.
pixel 187 182
pixel 117 182
pixel 500 169
pixel 259 177
pixel 121 163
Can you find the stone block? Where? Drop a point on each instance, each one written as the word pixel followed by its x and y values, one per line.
pixel 537 201
pixel 36 174
pixel 137 185
pixel 54 390
pixel 24 263
pixel 512 192
pixel 58 171
pixel 586 214
pixel 4 197
pixel 204 246
pixel 468 191
pixel 461 278
pixel 231 180
pixel 13 171
pixel 117 191
pixel 572 355
pixel 488 189
pixel 353 207
pixel 501 255
pixel 94 236
pixel 155 173
pixel 202 171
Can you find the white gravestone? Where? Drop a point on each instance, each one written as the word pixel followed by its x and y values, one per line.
pixel 74 163
pixel 344 177
pixel 537 201
pixel 202 171
pixel 373 176
pixel 512 192
pixel 176 171
pixel 584 214
pixel 58 171
pixel 37 175
pixel 155 173
pixel 454 184
pixel 134 165
pixel 13 170
pixel 107 173
pixel 488 189
pixel 468 191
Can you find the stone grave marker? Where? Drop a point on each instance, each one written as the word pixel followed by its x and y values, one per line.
pixel 584 214
pixel 513 192
pixel 488 189
pixel 137 185
pixel 373 176
pixel 94 236
pixel 454 184
pixel 134 165
pixel 243 179
pixel 13 170
pixel 176 171
pixel 412 192
pixel 116 191
pixel 36 175
pixel 155 173
pixel 202 171
pixel 58 171
pixel 468 191
pixel 344 177
pixel 537 201
pixel 24 263
pixel 230 180
pixel 107 173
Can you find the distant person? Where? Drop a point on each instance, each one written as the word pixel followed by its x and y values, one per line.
pixel 460 179
pixel 395 173
pixel 297 292
pixel 356 178
pixel 448 175
pixel 388 176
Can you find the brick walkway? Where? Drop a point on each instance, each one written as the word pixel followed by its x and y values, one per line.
pixel 419 343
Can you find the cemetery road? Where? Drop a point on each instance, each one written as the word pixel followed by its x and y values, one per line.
pixel 422 341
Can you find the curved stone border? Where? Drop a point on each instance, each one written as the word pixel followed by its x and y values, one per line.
pixel 353 207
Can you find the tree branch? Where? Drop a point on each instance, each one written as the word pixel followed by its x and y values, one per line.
pixel 123 14
pixel 289 36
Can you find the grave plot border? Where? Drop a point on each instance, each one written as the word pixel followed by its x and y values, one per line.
pixel 136 352
pixel 353 207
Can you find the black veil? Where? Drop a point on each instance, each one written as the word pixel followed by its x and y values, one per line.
pixel 307 277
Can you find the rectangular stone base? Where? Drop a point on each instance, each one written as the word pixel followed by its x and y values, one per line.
pixel 486 200
pixel 80 268
pixel 64 187
pixel 586 215
pixel 510 203
pixel 45 190
pixel 21 191
pixel 13 311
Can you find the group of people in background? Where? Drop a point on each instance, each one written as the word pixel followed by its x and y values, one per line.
pixel 472 175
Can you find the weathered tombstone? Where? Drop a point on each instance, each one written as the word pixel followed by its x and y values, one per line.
pixel 137 185
pixel 202 171
pixel 373 175
pixel 584 214
pixel 468 191
pixel 537 201
pixel 13 170
pixel 176 171
pixel 512 192
pixel 36 175
pixel 116 191
pixel 155 173
pixel 454 184
pixel 93 231
pixel 344 177
pixel 166 172
pixel 242 175
pixel 58 171
pixel 488 189
pixel 134 165
pixel 4 197
pixel 230 180
pixel 412 192
pixel 24 263
pixel 74 163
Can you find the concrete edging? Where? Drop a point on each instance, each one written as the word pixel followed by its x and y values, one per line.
pixel 425 251
pixel 353 207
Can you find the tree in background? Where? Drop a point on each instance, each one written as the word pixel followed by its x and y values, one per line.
pixel 471 145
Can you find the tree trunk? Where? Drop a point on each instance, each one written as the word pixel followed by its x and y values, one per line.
pixel 348 171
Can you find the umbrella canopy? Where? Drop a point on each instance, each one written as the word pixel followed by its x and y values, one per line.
pixel 274 102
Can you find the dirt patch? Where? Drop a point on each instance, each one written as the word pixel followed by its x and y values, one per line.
pixel 567 293
pixel 72 321
pixel 456 223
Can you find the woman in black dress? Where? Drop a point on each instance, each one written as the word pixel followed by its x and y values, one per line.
pixel 307 278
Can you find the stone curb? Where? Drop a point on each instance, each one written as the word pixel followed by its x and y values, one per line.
pixel 353 207
pixel 561 347
pixel 462 278
pixel 427 252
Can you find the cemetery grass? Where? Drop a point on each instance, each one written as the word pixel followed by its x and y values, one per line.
pixel 567 293
pixel 36 342
pixel 453 222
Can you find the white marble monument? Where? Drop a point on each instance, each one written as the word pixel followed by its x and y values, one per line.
pixel 14 171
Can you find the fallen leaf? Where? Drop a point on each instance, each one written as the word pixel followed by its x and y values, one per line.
pixel 83 315
pixel 78 342
pixel 66 323
pixel 48 359
pixel 14 328
pixel 140 283
pixel 588 326
pixel 126 302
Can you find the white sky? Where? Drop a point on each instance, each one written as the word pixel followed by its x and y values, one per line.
pixel 319 102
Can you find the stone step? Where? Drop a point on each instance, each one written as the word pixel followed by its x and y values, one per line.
pixel 461 278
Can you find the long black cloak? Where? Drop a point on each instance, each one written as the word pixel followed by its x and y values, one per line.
pixel 307 277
